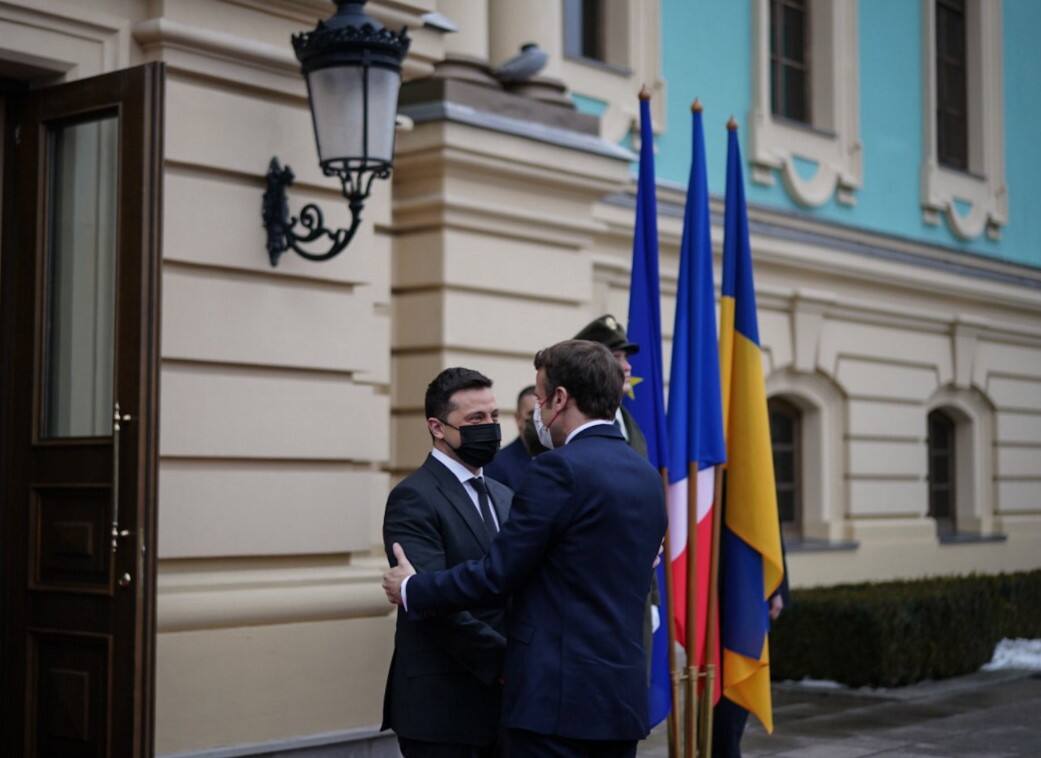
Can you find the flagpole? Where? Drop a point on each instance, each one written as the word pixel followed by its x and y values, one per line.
pixel 674 673
pixel 712 642
pixel 691 711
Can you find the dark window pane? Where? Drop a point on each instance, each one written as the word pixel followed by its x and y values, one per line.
pixel 795 92
pixel 794 35
pixel 784 436
pixel 951 87
pixel 781 427
pixel 941 472
pixel 786 506
pixel 940 504
pixel 583 29
pixel 592 30
pixel 789 58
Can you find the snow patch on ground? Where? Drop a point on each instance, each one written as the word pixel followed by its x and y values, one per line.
pixel 820 684
pixel 1016 654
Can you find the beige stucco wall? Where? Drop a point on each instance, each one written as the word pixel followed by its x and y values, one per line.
pixel 291 397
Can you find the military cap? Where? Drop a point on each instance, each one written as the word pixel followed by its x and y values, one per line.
pixel 608 332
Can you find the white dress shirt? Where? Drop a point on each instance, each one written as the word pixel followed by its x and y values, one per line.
pixel 620 420
pixel 462 473
pixel 594 422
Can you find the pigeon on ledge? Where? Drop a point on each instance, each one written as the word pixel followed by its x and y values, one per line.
pixel 524 66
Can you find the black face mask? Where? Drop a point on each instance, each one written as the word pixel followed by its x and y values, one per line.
pixel 478 443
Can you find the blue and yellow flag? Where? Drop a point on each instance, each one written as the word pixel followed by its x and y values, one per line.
pixel 751 567
pixel 647 404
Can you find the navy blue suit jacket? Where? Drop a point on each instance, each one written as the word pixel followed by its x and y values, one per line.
pixel 510 464
pixel 576 560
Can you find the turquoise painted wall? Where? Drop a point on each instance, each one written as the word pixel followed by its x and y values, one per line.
pixel 706 53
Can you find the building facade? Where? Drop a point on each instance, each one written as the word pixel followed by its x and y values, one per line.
pixel 896 233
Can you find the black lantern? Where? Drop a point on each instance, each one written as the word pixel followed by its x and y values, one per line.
pixel 352 65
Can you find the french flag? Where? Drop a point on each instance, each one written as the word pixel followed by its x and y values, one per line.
pixel 695 417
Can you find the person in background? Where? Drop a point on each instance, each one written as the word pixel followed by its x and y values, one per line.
pixel 512 461
pixel 608 332
pixel 443 696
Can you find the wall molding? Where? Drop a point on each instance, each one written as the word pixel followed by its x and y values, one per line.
pixel 208 596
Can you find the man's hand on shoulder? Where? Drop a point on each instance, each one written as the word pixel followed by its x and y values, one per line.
pixel 395 577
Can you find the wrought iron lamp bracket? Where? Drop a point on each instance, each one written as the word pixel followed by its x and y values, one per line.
pixel 285 232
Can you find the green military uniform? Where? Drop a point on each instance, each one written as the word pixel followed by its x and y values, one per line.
pixel 608 332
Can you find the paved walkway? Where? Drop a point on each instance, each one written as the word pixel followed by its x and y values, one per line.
pixel 988 714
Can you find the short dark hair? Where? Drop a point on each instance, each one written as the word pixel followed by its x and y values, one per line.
pixel 438 402
pixel 588 371
pixel 529 390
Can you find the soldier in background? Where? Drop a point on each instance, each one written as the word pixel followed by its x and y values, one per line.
pixel 608 332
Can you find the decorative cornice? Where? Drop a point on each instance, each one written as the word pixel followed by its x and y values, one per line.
pixel 210 598
pixel 566 138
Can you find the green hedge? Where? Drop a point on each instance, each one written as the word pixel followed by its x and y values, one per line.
pixel 897 633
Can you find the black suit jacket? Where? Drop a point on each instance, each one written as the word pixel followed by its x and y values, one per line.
pixel 576 560
pixel 443 684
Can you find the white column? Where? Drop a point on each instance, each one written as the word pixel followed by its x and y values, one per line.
pixel 471 16
pixel 513 23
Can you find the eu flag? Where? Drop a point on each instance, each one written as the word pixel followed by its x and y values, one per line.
pixel 647 404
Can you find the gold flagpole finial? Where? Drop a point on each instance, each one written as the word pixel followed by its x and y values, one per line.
pixel 732 124
pixel 645 94
pixel 695 107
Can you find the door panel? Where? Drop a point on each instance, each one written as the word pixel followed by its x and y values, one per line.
pixel 80 304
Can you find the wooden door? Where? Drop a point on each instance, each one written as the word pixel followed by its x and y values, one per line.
pixel 79 299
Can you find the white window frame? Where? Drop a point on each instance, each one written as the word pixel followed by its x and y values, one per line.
pixel 833 141
pixel 983 186
pixel 634 39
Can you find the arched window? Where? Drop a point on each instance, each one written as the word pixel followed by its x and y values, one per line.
pixel 942 506
pixel 785 441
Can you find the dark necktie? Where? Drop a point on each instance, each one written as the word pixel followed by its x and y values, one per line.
pixel 485 506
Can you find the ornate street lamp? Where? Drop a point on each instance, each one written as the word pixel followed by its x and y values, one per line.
pixel 352 65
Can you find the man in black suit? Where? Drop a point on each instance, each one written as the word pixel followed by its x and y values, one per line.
pixel 608 332
pixel 511 463
pixel 576 560
pixel 443 696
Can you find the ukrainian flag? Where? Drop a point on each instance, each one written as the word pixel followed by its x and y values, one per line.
pixel 751 568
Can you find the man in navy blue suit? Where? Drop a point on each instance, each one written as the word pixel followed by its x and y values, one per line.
pixel 576 560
